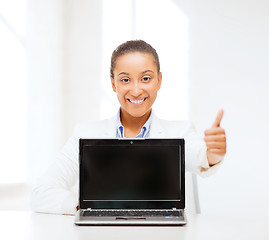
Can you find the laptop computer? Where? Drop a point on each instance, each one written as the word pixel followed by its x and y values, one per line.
pixel 131 182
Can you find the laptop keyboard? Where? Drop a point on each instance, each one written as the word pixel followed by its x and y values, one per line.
pixel 146 213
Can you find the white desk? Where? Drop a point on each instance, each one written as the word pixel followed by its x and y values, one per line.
pixel 35 226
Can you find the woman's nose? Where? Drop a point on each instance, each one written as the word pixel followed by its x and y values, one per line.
pixel 136 89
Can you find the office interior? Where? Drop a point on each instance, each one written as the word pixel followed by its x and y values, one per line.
pixel 54 73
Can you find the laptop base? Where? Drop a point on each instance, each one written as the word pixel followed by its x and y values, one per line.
pixel 81 220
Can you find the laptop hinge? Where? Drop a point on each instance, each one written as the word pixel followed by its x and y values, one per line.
pixel 88 209
pixel 174 209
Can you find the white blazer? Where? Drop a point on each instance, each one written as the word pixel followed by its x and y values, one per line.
pixel 57 191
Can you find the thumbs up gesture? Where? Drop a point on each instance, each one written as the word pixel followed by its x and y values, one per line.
pixel 215 139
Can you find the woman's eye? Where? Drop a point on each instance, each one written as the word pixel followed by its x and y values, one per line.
pixel 146 79
pixel 125 80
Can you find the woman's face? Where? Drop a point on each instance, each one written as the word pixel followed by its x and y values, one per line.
pixel 136 82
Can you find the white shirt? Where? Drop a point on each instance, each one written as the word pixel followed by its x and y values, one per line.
pixel 144 133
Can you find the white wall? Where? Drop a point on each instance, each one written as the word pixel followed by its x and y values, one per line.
pixel 228 68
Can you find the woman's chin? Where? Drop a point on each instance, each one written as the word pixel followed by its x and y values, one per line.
pixel 138 114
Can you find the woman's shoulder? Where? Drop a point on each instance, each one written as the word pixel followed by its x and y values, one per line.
pixel 94 129
pixel 171 123
pixel 172 127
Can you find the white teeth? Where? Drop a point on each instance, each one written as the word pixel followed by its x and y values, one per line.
pixel 136 101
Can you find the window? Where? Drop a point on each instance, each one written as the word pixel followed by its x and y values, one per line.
pixel 13 92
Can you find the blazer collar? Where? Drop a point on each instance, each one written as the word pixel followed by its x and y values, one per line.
pixel 156 127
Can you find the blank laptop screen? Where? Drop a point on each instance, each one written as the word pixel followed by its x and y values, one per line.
pixel 123 173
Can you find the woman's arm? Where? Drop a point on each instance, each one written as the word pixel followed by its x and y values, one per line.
pixel 53 193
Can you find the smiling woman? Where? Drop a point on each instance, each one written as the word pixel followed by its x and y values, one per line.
pixel 136 78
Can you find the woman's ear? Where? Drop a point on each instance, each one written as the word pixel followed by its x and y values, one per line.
pixel 113 84
pixel 160 78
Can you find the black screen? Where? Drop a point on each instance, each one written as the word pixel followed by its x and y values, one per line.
pixel 130 173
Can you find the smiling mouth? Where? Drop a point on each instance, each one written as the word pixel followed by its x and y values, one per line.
pixel 137 101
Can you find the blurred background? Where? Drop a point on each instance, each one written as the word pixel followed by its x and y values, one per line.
pixel 54 73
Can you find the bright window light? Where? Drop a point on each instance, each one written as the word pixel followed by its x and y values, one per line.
pixel 13 92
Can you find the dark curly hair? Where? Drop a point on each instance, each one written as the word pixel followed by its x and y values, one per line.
pixel 133 46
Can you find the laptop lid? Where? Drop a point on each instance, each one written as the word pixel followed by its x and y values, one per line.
pixel 132 174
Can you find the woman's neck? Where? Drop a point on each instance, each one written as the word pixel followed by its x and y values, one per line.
pixel 132 125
